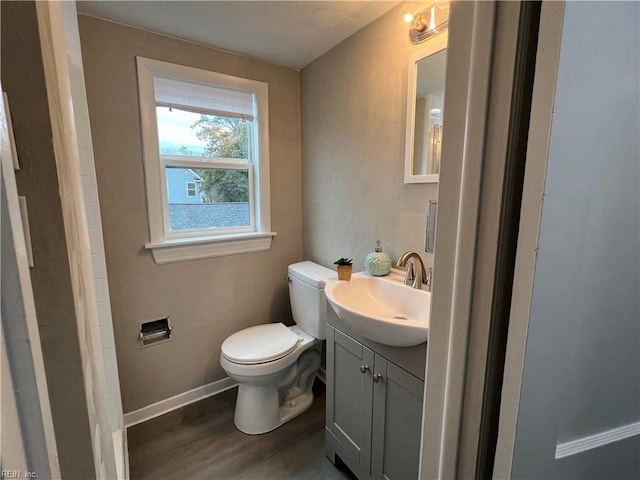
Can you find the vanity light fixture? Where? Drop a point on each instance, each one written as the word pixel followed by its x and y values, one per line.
pixel 429 22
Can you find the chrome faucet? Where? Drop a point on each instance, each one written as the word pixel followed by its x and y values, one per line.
pixel 416 275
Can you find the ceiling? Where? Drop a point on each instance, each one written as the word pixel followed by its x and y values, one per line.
pixel 288 33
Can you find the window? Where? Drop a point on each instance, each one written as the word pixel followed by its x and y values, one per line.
pixel 206 158
pixel 191 189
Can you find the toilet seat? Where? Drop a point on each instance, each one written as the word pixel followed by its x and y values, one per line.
pixel 259 344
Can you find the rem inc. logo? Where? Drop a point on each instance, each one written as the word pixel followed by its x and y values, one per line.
pixel 18 474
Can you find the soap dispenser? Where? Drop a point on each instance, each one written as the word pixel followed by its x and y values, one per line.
pixel 378 263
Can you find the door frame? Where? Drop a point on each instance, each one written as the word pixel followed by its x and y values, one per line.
pixel 56 69
pixel 471 37
pixel 27 418
pixel 483 106
pixel 548 56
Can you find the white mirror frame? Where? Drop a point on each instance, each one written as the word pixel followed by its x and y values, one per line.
pixel 430 47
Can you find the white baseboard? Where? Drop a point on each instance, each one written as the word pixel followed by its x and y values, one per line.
pixel 322 375
pixel 598 440
pixel 164 406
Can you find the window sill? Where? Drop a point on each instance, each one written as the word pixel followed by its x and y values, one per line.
pixel 193 248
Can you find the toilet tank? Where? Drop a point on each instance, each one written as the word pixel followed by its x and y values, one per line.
pixel 306 293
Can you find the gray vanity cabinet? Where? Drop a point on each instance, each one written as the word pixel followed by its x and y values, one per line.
pixel 397 425
pixel 374 411
pixel 349 399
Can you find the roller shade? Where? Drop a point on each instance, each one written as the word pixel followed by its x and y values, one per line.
pixel 205 99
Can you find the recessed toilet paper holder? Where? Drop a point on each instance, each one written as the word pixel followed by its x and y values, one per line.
pixel 154 332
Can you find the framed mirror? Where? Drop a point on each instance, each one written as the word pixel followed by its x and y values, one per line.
pixel 425 111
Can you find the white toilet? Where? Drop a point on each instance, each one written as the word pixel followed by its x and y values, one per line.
pixel 275 365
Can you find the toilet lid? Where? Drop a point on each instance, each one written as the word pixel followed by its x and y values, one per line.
pixel 259 344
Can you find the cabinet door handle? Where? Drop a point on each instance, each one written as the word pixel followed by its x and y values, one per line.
pixel 364 368
pixel 377 377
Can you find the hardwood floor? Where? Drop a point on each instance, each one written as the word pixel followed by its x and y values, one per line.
pixel 200 441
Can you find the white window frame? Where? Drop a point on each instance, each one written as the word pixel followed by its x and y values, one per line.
pixel 168 246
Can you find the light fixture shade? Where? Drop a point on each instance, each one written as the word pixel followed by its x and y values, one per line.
pixel 431 21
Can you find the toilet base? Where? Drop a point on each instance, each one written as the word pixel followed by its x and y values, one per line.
pixel 258 408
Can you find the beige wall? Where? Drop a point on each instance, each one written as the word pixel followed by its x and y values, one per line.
pixel 353 127
pixel 208 299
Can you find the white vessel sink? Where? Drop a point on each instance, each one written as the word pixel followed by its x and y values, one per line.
pixel 382 309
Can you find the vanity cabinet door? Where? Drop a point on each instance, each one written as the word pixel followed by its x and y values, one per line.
pixel 397 425
pixel 349 397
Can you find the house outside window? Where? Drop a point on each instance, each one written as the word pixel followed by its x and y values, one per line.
pixel 206 155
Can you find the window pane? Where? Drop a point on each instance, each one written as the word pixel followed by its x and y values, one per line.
pixel 220 198
pixel 194 134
